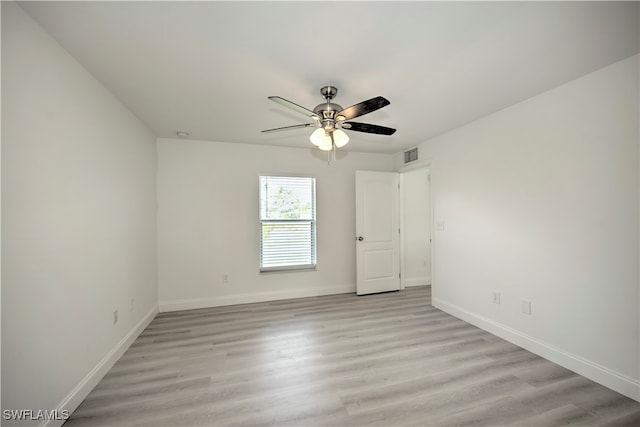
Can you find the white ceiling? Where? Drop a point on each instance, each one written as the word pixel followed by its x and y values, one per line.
pixel 208 67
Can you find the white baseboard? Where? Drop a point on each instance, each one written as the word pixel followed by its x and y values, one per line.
pixel 595 372
pixel 190 304
pixel 417 281
pixel 82 390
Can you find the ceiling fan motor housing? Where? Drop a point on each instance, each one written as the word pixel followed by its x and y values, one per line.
pixel 327 111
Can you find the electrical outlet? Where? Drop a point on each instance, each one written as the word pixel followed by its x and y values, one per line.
pixel 115 317
pixel 225 278
pixel 526 307
pixel 440 225
pixel 496 297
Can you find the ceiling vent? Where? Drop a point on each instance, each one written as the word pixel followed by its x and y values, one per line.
pixel 411 155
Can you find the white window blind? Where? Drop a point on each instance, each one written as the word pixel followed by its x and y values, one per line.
pixel 287 223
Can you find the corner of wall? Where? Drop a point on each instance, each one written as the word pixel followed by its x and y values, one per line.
pixel 71 402
pixel 601 374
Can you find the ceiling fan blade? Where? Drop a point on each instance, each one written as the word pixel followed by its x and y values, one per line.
pixel 363 108
pixel 368 128
pixel 293 106
pixel 305 125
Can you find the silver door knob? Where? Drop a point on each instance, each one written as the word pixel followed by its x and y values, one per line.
pixel 360 238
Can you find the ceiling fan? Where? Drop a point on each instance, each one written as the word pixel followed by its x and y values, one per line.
pixel 331 118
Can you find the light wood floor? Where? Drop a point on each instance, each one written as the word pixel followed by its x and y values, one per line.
pixel 342 360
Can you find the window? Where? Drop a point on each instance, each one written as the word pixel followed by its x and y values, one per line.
pixel 287 223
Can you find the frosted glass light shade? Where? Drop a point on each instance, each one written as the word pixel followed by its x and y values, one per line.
pixel 340 138
pixel 326 144
pixel 318 136
pixel 321 139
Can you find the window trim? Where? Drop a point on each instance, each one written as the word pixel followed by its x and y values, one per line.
pixel 297 267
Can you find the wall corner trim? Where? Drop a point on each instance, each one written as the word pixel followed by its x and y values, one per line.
pixel 84 387
pixel 591 370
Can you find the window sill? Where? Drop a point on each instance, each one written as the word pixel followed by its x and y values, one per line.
pixel 288 269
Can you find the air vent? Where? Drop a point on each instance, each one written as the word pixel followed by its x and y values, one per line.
pixel 411 155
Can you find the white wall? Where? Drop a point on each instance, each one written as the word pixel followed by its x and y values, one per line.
pixel 208 222
pixel 540 202
pixel 78 222
pixel 416 227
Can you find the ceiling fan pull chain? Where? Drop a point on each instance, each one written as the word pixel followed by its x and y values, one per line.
pixel 333 145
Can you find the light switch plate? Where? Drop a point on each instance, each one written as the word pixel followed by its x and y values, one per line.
pixel 496 297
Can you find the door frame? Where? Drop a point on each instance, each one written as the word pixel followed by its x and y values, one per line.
pixel 425 164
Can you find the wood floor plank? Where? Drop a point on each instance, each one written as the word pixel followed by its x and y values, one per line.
pixel 341 360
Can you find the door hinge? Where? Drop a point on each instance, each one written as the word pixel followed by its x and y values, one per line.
pixel 399 275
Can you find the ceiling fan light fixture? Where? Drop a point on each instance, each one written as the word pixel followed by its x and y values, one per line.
pixel 340 138
pixel 330 118
pixel 326 144
pixel 318 136
pixel 321 138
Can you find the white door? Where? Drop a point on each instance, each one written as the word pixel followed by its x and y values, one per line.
pixel 377 232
